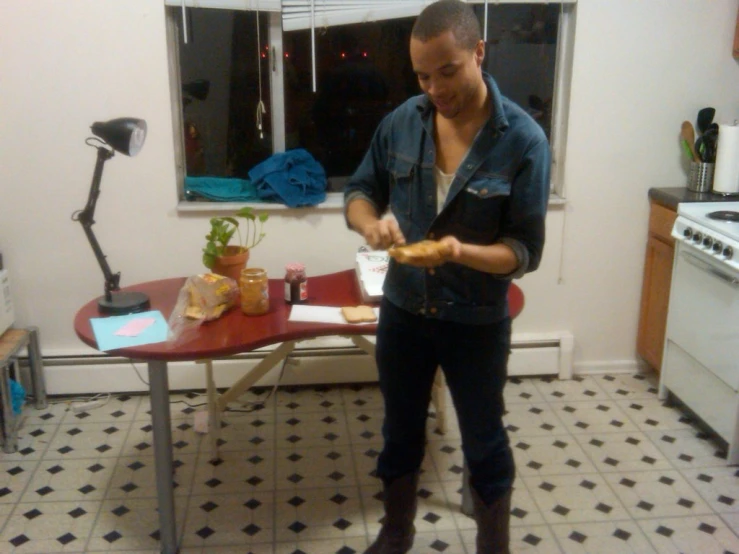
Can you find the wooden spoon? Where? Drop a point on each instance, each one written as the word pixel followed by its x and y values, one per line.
pixel 688 134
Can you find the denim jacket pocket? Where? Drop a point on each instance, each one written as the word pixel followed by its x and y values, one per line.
pixel 402 175
pixel 482 201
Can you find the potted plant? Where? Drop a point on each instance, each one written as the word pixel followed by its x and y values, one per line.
pixel 224 258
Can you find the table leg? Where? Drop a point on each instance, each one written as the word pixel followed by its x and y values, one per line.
pixel 257 372
pixel 162 431
pixel 214 414
pixel 36 365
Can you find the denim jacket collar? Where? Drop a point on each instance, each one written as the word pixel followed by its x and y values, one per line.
pixel 497 117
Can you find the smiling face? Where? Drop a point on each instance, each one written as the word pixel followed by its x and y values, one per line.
pixel 449 74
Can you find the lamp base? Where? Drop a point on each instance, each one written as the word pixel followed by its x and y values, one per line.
pixel 122 303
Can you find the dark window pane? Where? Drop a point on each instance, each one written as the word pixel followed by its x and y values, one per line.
pixel 363 71
pixel 221 135
pixel 521 54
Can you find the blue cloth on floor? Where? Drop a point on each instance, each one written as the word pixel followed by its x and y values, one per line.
pixel 293 178
pixel 222 189
pixel 17 396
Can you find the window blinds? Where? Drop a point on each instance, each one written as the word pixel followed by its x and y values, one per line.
pixel 304 14
pixel 261 5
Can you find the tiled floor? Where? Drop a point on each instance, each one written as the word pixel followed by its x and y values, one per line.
pixel 603 467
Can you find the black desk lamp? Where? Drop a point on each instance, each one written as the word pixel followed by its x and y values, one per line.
pixel 125 135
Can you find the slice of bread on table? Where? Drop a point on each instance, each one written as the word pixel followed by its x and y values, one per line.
pixel 358 314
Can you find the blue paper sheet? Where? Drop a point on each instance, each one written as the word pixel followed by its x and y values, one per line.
pixel 106 327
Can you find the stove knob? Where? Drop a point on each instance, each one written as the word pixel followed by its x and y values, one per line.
pixel 728 252
pixel 707 242
pixel 698 237
pixel 688 232
pixel 717 247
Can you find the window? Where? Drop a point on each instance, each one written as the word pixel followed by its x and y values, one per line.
pixel 362 71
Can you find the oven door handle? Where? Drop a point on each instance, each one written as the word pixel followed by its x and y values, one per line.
pixel 705 266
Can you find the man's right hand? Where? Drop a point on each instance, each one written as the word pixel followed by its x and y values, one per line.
pixel 382 234
pixel 379 233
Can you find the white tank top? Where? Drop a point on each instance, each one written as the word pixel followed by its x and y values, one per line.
pixel 443 183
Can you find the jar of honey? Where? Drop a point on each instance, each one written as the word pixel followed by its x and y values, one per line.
pixel 254 287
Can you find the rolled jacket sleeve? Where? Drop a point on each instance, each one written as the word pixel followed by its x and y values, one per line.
pixel 370 180
pixel 523 227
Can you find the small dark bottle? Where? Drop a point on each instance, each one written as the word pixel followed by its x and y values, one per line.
pixel 296 284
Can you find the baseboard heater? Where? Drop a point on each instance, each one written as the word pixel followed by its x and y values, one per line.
pixel 319 361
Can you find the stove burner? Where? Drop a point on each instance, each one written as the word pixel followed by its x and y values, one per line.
pixel 724 215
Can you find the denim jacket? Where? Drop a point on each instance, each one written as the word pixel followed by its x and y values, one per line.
pixel 499 195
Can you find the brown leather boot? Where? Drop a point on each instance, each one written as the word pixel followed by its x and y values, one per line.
pixel 492 524
pixel 396 535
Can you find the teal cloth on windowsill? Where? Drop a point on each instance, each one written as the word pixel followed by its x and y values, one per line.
pixel 222 189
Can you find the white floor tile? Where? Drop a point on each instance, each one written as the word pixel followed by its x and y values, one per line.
pixel 575 498
pixel 572 390
pixel 650 414
pixel 49 527
pixel 130 524
pixel 229 520
pixel 603 467
pixel 537 539
pixel 600 416
pixel 612 452
pixel 555 455
pixel 629 385
pixel 705 534
pixel 651 494
pixel 719 486
pixel 688 448
pixel 618 537
pixel 532 419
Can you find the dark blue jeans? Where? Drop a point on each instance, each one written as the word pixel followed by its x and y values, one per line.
pixel 474 359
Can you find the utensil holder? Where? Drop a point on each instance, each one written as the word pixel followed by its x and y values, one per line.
pixel 700 178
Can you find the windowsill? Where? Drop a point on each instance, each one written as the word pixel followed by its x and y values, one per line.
pixel 334 203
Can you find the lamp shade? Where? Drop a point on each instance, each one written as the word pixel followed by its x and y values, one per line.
pixel 124 134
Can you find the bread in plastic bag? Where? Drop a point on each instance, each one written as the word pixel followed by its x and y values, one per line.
pixel 202 298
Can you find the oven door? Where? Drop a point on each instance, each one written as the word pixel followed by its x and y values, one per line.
pixel 703 318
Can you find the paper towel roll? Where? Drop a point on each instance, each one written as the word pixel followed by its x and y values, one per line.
pixel 726 175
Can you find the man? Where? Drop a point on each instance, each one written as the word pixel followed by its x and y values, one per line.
pixel 463 165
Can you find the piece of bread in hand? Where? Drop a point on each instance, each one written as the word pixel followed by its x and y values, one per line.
pixel 358 314
pixel 423 251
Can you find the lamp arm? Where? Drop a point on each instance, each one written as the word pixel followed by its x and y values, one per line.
pixel 86 218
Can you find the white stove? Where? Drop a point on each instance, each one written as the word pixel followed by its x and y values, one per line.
pixel 712 229
pixel 701 356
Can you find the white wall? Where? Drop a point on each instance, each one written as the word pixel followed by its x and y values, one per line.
pixel 640 68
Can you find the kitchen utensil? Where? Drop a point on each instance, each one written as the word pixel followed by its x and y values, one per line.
pixel 688 133
pixel 705 118
pixel 710 142
pixel 700 148
pixel 686 149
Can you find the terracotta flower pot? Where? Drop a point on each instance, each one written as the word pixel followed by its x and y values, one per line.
pixel 232 262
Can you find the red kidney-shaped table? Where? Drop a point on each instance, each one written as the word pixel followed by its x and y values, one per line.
pixel 233 333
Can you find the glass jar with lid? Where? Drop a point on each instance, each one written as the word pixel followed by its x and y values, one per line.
pixel 254 287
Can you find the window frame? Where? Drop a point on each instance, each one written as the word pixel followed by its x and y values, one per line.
pixel 334 200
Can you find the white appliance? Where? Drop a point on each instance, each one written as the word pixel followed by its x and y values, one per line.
pixel 7 316
pixel 701 356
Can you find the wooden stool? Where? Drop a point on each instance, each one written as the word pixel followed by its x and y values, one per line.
pixel 11 344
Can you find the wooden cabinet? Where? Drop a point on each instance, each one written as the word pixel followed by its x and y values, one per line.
pixel 656 285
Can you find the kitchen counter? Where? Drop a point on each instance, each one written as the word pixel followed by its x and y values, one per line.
pixel 671 197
